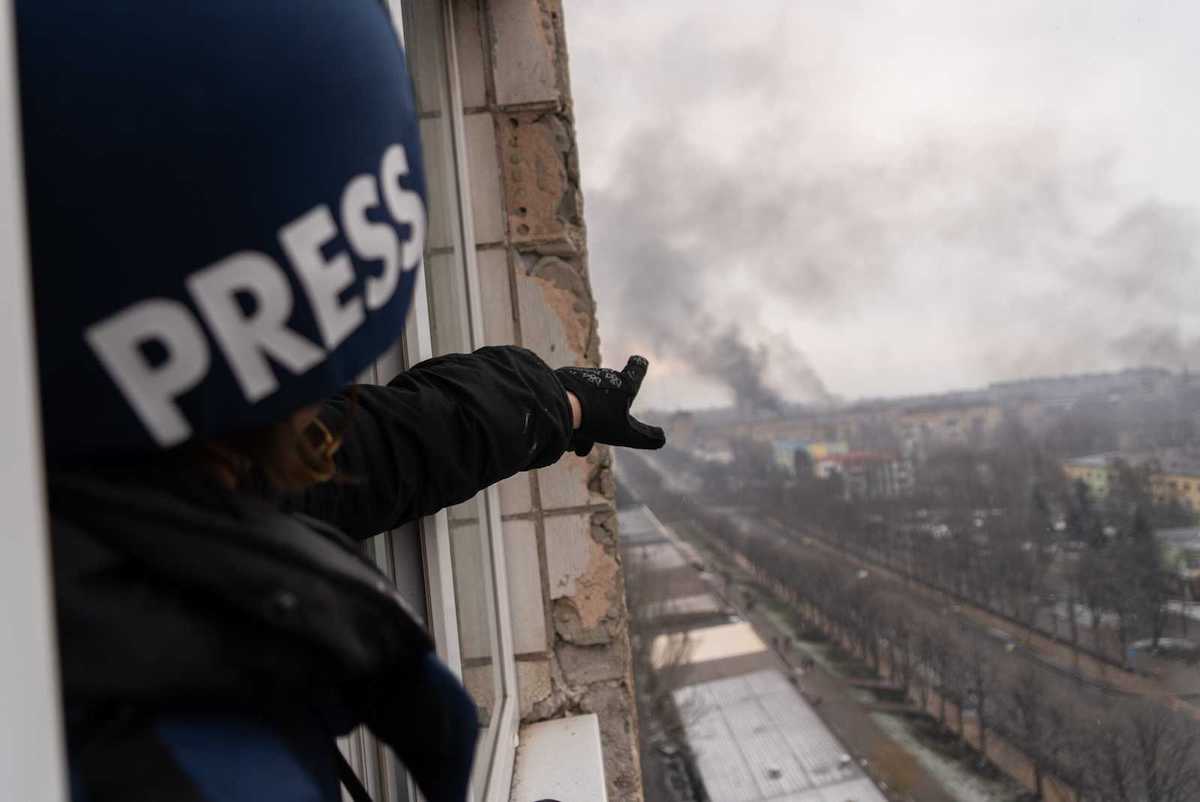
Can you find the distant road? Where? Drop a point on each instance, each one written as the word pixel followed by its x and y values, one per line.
pixel 1043 650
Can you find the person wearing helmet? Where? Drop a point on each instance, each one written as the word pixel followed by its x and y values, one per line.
pixel 226 213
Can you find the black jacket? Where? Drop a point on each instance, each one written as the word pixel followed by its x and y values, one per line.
pixel 174 593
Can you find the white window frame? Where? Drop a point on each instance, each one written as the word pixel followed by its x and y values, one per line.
pixel 32 761
pixel 434 530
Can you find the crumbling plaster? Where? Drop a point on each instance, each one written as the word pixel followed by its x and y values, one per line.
pixel 585 666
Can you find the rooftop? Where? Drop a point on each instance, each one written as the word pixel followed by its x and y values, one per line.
pixel 856 457
pixel 1091 461
pixel 654 556
pixel 1180 465
pixel 757 740
pixel 704 644
pixel 695 604
pixel 1180 536
pixel 754 737
pixel 639 527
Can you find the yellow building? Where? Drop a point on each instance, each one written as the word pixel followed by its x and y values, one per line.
pixel 944 424
pixel 785 452
pixel 1095 471
pixel 1179 484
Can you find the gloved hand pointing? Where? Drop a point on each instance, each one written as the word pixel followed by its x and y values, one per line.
pixel 605 397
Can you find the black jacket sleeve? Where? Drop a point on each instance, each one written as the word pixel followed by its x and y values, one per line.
pixel 436 435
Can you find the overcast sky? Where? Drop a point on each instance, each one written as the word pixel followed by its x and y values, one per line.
pixel 885 198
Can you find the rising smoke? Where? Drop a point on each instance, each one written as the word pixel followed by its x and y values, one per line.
pixel 668 260
pixel 726 356
pixel 960 257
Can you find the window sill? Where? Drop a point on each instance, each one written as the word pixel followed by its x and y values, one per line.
pixel 560 760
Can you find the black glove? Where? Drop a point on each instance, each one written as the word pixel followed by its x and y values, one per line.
pixel 605 397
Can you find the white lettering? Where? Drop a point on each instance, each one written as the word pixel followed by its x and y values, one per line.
pixel 251 338
pixel 247 338
pixel 324 280
pixel 371 240
pixel 150 389
pixel 404 205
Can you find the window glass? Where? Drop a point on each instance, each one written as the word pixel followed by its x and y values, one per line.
pixel 447 327
pixel 446 266
pixel 398 554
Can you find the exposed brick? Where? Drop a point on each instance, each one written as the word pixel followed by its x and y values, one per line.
pixel 565 276
pixel 563 699
pixel 604 530
pixel 585 665
pixel 603 484
pixel 570 627
pixel 552 306
pixel 581 571
pixel 533 158
pixel 565 289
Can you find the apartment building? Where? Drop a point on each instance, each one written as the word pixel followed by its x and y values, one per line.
pixel 797 457
pixel 1181 556
pixel 1095 471
pixel 927 427
pixel 868 475
pixel 1177 481
pixel 521 586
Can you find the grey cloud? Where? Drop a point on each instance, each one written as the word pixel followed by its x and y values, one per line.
pixel 1010 249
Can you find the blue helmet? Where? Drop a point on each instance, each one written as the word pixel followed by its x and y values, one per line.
pixel 226 207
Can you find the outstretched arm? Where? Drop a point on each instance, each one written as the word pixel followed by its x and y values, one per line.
pixel 436 435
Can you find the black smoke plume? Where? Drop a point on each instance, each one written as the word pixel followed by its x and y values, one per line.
pixel 1035 259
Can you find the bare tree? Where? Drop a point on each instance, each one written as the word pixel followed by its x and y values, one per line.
pixel 897 629
pixel 1143 753
pixel 1026 714
pixel 937 650
pixel 1165 746
pixel 981 674
pixel 1146 573
pixel 956 681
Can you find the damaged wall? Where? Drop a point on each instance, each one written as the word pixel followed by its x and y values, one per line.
pixel 566 588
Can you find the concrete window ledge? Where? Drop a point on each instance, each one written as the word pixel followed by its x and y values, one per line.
pixel 560 760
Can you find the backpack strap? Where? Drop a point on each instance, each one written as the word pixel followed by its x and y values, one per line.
pixel 350 780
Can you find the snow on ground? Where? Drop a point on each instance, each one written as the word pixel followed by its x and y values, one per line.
pixel 819 652
pixel 1166 644
pixel 956 779
pixel 1083 616
pixel 1190 609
